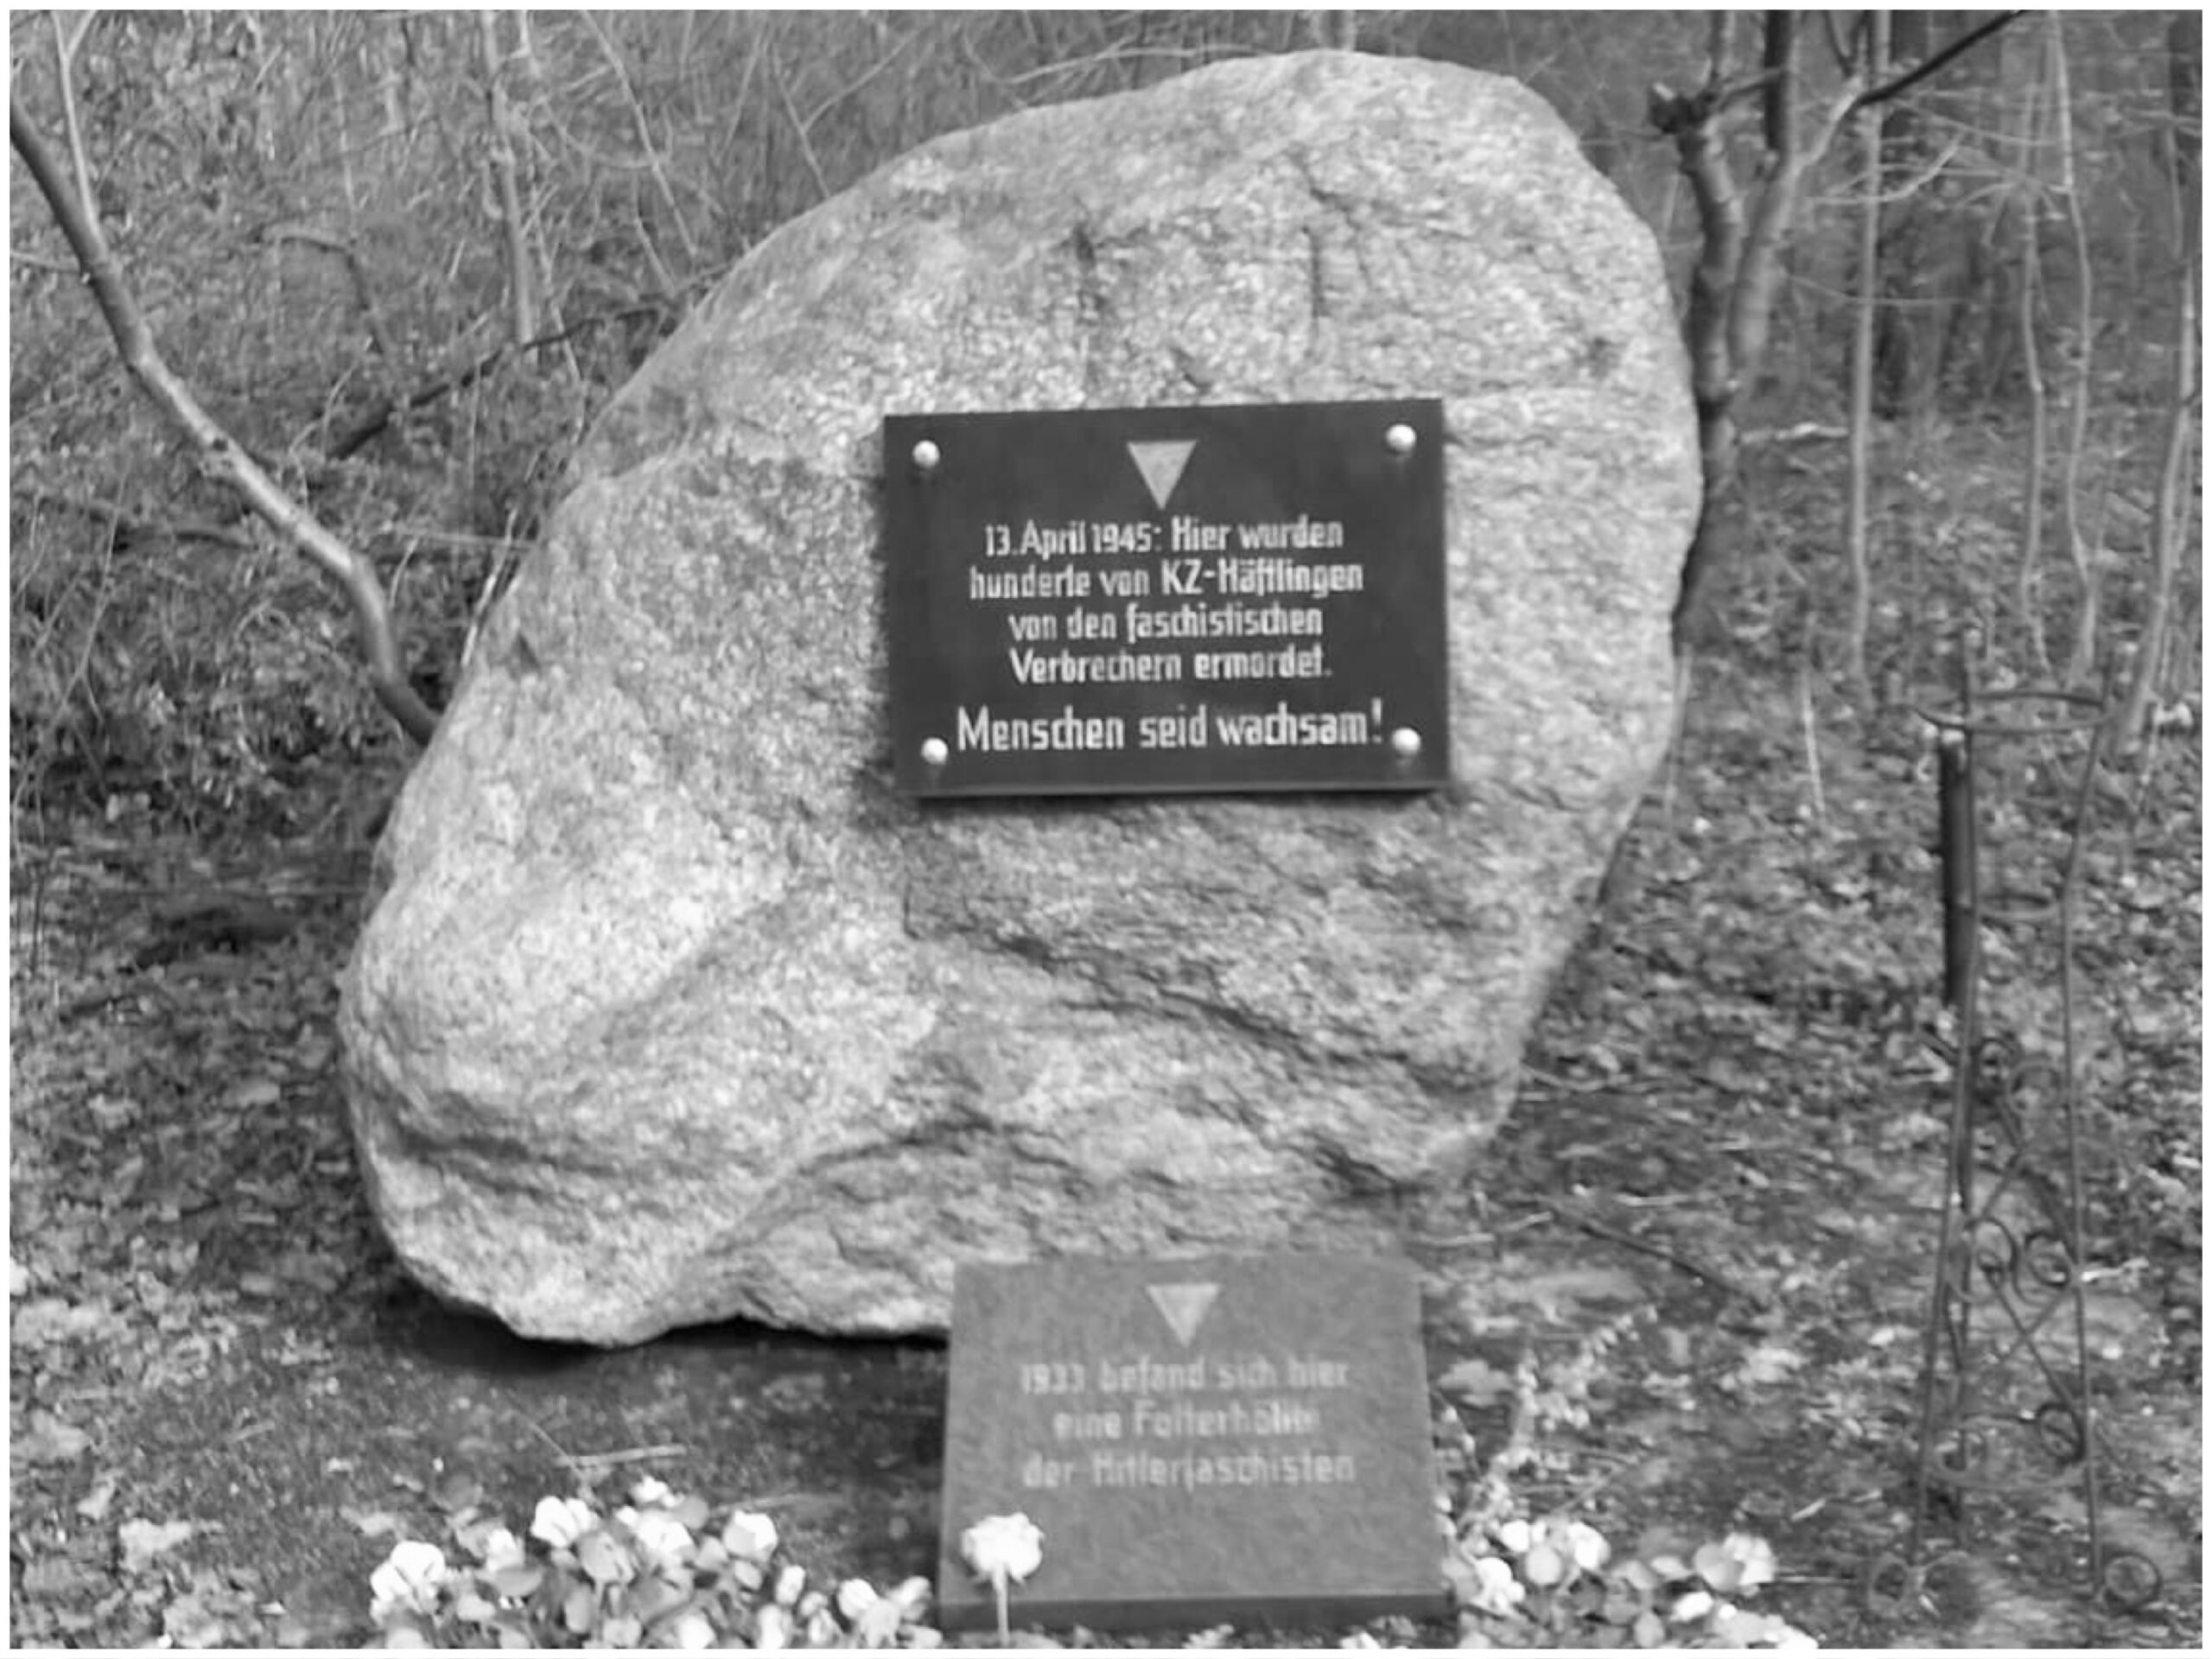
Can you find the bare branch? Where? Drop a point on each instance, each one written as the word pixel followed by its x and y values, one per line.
pixel 1844 52
pixel 1721 46
pixel 2081 364
pixel 853 88
pixel 522 282
pixel 65 51
pixel 220 454
pixel 1921 72
pixel 358 436
pixel 1335 31
pixel 1778 59
pixel 349 254
pixel 129 529
pixel 798 126
pixel 644 133
pixel 1869 284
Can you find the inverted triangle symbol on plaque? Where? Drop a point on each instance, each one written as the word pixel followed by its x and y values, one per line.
pixel 1183 1306
pixel 1162 466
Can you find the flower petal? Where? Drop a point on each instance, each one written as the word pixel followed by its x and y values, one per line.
pixel 749 1537
pixel 502 1550
pixel 855 1597
pixel 561 1521
pixel 1002 1546
pixel 692 1630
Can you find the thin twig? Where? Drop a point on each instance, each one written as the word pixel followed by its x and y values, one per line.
pixel 521 277
pixel 559 1451
pixel 182 530
pixel 653 163
pixel 1575 1217
pixel 1921 72
pixel 64 50
pixel 631 1454
pixel 581 1462
pixel 853 88
pixel 218 452
pixel 798 126
pixel 1576 1502
pixel 348 253
pixel 355 438
pixel 1813 748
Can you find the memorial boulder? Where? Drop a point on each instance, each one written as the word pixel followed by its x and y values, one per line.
pixel 679 1001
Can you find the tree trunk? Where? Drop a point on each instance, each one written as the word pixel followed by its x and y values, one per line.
pixel 1855 532
pixel 2082 366
pixel 1739 271
pixel 1902 340
pixel 522 279
pixel 2170 524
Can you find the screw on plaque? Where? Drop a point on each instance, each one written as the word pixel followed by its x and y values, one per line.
pixel 926 456
pixel 1400 439
pixel 1405 742
pixel 934 751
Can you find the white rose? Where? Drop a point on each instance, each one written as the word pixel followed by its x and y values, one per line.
pixel 912 1597
pixel 1696 1604
pixel 855 1597
pixel 665 1540
pixel 1003 1546
pixel 408 1580
pixel 749 1537
pixel 502 1550
pixel 1587 1546
pixel 789 1584
pixel 1754 1557
pixel 692 1631
pixel 561 1521
pixel 1496 1590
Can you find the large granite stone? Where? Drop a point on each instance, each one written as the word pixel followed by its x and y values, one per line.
pixel 671 1011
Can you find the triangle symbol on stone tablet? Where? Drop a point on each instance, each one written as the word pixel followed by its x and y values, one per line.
pixel 1184 1307
pixel 1162 466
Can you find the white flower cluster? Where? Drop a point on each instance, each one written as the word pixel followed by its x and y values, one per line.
pixel 653 1573
pixel 1517 1571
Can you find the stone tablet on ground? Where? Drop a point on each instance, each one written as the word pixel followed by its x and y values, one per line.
pixel 1221 1440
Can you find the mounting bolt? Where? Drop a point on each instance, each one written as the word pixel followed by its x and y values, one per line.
pixel 926 455
pixel 1405 742
pixel 1400 439
pixel 934 751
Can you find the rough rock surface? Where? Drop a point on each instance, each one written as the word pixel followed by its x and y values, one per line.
pixel 670 1010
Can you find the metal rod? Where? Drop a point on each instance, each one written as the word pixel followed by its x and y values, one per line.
pixel 1955 811
pixel 2069 889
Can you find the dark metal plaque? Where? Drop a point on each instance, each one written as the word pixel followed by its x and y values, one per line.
pixel 1241 1440
pixel 1113 600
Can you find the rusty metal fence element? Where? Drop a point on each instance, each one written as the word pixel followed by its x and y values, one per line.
pixel 2006 1401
